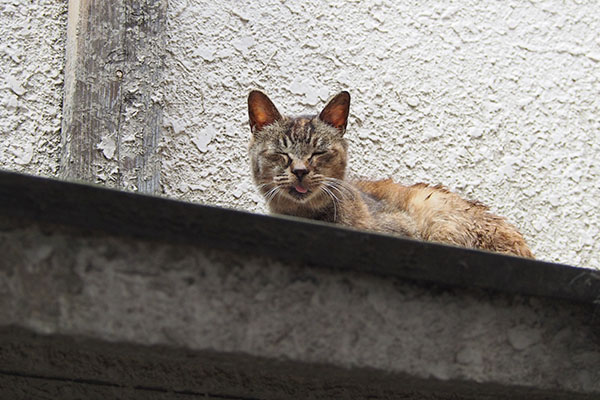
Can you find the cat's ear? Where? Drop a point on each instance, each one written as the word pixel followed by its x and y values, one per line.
pixel 261 111
pixel 336 111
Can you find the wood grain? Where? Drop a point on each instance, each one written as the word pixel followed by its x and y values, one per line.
pixel 112 106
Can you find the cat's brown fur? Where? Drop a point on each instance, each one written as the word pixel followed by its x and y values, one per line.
pixel 299 166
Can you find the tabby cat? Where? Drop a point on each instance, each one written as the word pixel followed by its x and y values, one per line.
pixel 299 167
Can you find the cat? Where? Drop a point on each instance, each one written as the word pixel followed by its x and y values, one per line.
pixel 299 165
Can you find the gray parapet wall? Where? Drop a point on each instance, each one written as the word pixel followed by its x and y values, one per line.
pixel 111 294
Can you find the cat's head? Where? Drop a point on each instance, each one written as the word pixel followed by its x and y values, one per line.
pixel 296 161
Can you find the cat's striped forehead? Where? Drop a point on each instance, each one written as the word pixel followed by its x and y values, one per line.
pixel 298 135
pixel 299 129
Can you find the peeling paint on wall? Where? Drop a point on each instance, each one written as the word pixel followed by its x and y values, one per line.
pixel 31 84
pixel 497 100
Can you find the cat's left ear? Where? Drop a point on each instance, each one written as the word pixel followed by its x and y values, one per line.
pixel 336 111
pixel 261 111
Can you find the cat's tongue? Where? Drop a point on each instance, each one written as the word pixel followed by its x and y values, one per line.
pixel 300 189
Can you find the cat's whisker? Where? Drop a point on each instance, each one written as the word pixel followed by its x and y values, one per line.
pixel 334 199
pixel 333 184
pixel 262 185
pixel 270 195
pixel 343 194
pixel 267 194
pixel 341 187
pixel 275 193
pixel 327 190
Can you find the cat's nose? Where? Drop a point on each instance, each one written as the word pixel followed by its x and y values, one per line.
pixel 299 171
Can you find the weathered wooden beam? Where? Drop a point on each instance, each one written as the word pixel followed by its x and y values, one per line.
pixel 111 114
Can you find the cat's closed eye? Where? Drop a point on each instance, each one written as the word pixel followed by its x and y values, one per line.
pixel 278 158
pixel 316 154
pixel 323 155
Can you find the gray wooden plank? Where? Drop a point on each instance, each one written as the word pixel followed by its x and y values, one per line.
pixel 111 113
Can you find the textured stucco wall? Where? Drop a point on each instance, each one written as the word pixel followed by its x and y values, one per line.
pixel 32 54
pixel 497 100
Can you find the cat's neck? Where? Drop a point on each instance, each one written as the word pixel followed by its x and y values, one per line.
pixel 349 209
pixel 321 211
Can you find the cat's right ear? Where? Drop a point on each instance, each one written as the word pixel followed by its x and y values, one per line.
pixel 261 111
pixel 336 111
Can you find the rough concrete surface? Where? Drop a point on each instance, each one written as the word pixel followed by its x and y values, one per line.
pixel 497 100
pixel 73 367
pixel 32 54
pixel 121 290
pixel 38 388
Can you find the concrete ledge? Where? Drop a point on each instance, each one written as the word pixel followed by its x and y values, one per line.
pixel 104 293
pixel 286 239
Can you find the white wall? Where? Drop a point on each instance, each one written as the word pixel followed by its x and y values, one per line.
pixel 499 100
pixel 32 50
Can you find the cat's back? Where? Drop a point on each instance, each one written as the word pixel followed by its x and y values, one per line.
pixel 443 216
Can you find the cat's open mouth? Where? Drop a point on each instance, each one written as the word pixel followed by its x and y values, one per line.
pixel 299 191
